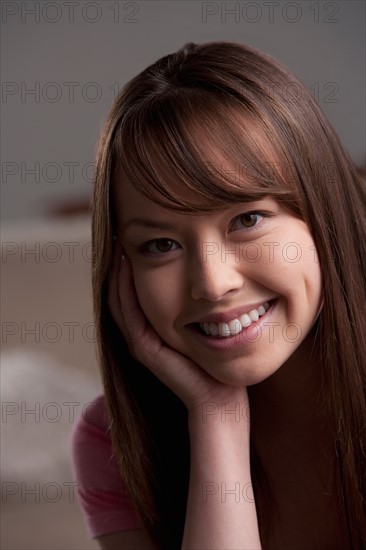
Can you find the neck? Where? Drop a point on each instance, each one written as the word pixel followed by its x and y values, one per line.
pixel 293 448
pixel 290 389
pixel 286 407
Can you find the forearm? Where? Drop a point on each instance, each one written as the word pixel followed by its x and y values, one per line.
pixel 221 512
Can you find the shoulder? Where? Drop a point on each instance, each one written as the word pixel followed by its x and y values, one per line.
pixel 99 485
pixel 92 423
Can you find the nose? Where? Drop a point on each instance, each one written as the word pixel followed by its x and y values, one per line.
pixel 213 276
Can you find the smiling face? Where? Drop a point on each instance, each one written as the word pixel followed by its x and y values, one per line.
pixel 217 266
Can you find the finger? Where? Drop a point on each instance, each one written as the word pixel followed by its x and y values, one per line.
pixel 144 343
pixel 135 322
pixel 123 301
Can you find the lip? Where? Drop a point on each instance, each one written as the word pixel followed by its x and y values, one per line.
pixel 227 316
pixel 247 336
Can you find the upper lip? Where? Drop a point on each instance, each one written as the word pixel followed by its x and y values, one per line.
pixel 230 315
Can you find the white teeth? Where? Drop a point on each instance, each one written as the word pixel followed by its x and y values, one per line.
pixel 245 320
pixel 254 315
pixel 224 329
pixel 236 325
pixel 214 329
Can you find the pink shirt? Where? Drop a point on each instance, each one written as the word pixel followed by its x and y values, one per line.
pixel 100 489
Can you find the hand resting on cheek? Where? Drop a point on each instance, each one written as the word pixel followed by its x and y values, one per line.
pixel 186 379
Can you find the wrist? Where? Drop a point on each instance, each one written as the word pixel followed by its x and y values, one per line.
pixel 222 411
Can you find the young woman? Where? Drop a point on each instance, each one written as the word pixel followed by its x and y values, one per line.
pixel 229 267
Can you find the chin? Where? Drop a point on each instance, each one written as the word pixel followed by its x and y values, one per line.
pixel 239 375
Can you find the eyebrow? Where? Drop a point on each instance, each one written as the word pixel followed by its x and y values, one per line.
pixel 143 222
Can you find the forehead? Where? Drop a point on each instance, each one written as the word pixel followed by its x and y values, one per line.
pixel 129 202
pixel 202 165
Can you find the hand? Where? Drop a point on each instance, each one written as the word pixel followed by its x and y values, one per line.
pixel 186 379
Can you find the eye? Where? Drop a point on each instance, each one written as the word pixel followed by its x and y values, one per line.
pixel 248 220
pixel 158 246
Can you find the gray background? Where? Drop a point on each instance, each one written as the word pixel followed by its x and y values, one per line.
pixel 75 58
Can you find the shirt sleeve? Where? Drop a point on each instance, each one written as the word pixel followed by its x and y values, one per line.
pixel 100 490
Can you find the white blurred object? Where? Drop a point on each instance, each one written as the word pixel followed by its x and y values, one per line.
pixel 41 398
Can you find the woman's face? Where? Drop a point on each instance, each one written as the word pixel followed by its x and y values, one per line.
pixel 251 258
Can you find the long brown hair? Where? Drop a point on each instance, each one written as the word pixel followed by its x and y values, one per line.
pixel 160 135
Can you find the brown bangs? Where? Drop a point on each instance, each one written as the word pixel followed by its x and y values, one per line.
pixel 222 151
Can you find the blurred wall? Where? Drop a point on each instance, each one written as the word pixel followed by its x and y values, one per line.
pixel 63 63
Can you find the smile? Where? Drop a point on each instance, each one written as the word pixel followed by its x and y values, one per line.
pixel 225 330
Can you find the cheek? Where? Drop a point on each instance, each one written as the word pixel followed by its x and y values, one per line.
pixel 147 290
pixel 298 271
pixel 289 266
pixel 155 294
